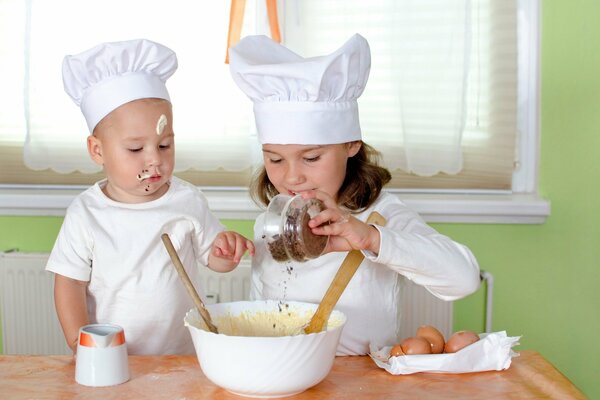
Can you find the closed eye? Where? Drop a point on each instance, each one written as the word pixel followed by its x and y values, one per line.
pixel 274 161
pixel 312 159
pixel 135 150
pixel 164 146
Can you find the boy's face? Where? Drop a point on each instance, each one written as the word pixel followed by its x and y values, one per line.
pixel 135 146
pixel 296 168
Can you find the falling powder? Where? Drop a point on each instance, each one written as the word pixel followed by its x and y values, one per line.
pixel 160 125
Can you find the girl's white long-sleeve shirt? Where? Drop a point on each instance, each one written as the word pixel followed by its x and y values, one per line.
pixel 409 248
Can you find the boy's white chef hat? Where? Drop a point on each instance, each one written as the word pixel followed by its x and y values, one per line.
pixel 111 74
pixel 302 100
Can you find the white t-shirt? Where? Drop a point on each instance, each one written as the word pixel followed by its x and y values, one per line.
pixel 117 248
pixel 371 302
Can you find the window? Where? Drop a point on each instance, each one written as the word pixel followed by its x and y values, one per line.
pixel 213 119
pixel 441 102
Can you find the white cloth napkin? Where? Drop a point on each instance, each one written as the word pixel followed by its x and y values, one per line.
pixel 492 352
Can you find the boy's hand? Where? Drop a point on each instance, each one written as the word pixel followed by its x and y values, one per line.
pixel 228 249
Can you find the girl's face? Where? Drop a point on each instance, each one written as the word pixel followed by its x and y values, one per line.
pixel 296 168
pixel 135 145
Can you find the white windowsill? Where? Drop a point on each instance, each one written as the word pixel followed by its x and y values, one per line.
pixel 234 203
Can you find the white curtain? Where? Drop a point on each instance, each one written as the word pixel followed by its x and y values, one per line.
pixel 212 118
pixel 431 62
pixel 443 80
pixel 441 95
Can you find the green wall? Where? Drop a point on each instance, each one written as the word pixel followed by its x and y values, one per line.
pixel 546 276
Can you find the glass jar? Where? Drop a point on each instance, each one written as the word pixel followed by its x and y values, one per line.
pixel 286 229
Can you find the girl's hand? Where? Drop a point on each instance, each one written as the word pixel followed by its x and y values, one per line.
pixel 345 232
pixel 228 249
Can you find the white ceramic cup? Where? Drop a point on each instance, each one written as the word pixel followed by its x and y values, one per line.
pixel 101 356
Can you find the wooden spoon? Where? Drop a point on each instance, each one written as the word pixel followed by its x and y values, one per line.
pixel 188 283
pixel 339 283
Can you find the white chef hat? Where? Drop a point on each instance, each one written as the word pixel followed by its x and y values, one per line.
pixel 302 100
pixel 111 74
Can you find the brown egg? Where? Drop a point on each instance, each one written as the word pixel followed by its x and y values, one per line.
pixel 460 340
pixel 433 336
pixel 415 345
pixel 396 351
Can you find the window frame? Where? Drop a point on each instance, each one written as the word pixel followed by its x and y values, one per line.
pixel 521 205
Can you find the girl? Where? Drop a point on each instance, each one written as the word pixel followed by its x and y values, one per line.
pixel 307 120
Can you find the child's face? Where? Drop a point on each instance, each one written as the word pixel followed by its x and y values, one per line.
pixel 296 168
pixel 135 145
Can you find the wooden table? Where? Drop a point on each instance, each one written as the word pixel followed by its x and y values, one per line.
pixel 178 377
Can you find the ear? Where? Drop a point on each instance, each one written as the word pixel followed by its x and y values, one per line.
pixel 354 147
pixel 94 146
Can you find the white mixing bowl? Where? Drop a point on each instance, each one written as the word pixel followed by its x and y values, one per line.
pixel 276 361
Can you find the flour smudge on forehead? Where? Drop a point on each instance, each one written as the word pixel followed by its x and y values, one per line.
pixel 160 125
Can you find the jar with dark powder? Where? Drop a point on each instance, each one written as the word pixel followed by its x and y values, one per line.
pixel 286 229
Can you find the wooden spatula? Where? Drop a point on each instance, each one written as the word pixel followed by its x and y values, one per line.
pixel 339 283
pixel 188 283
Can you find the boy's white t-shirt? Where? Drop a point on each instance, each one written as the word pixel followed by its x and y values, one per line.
pixel 371 301
pixel 117 248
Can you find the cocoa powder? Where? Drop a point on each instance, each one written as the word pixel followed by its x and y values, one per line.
pixel 297 242
pixel 277 249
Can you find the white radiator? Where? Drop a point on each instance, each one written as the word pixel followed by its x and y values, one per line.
pixel 30 325
pixel 29 322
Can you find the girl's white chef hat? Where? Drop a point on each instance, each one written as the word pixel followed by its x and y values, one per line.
pixel 111 74
pixel 302 100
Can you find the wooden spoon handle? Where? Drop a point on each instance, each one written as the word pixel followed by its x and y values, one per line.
pixel 339 283
pixel 188 283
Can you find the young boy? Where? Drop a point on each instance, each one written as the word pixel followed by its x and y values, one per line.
pixel 109 261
